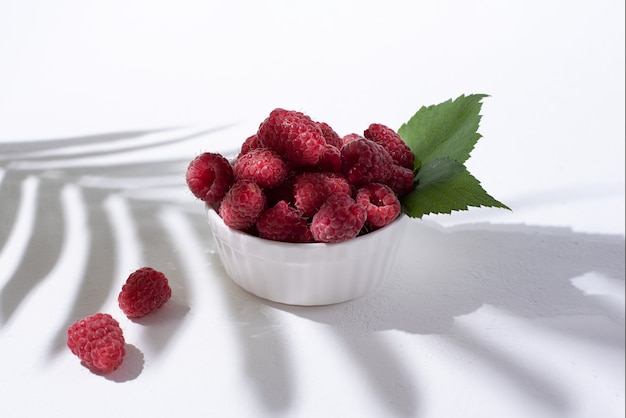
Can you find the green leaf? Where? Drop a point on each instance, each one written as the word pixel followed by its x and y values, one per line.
pixel 444 185
pixel 445 130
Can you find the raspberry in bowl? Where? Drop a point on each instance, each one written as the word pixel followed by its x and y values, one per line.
pixel 304 216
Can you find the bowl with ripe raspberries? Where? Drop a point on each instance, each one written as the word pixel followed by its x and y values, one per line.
pixel 305 216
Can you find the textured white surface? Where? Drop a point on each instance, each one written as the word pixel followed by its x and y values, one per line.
pixel 490 313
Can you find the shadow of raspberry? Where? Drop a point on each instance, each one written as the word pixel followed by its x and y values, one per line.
pixel 131 367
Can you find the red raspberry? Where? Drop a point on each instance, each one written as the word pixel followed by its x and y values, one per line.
pixel 293 135
pixel 339 219
pixel 252 142
pixel 330 160
pixel 98 341
pixel 400 180
pixel 209 176
pixel 393 143
pixel 242 205
pixel 351 137
pixel 261 165
pixel 283 223
pixel 331 137
pixel 364 161
pixel 284 191
pixel 310 190
pixel 145 291
pixel 381 204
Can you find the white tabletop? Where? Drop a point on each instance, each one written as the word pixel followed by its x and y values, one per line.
pixel 489 313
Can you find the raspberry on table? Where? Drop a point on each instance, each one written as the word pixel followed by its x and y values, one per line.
pixel 209 176
pixel 393 143
pixel 98 341
pixel 293 135
pixel 282 222
pixel 381 204
pixel 339 219
pixel 242 205
pixel 145 291
pixel 261 165
pixel 364 161
pixel 311 189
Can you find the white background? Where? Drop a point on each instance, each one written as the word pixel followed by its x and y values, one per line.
pixel 491 314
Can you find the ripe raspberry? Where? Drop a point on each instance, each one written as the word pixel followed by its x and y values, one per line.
pixel 388 138
pixel 331 137
pixel 252 142
pixel 400 180
pixel 284 191
pixel 364 161
pixel 339 219
pixel 311 189
pixel 145 291
pixel 351 137
pixel 283 223
pixel 242 205
pixel 209 176
pixel 381 204
pixel 98 341
pixel 261 165
pixel 330 160
pixel 293 135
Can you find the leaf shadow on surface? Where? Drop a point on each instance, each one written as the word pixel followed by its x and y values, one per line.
pixel 42 251
pixel 27 146
pixel 266 359
pixel 445 273
pixel 70 161
pixel 57 163
pixel 525 270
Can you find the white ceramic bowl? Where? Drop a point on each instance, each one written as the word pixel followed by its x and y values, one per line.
pixel 311 273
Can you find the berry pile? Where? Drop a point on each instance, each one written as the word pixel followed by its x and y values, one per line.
pixel 297 180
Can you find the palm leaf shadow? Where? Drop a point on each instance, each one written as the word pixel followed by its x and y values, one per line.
pixel 56 164
pixel 13 148
pixel 40 257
